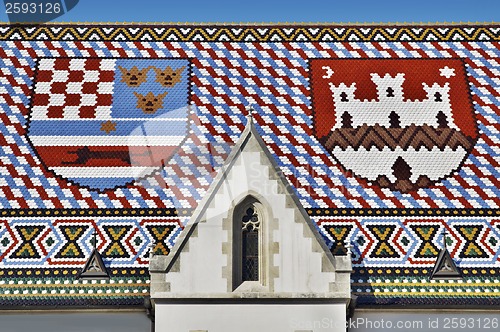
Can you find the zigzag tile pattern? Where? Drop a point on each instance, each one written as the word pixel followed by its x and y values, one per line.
pixel 125 242
pixel 414 242
pixel 416 137
pixel 262 33
pixel 68 242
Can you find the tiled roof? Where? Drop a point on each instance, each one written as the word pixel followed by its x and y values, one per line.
pixel 83 147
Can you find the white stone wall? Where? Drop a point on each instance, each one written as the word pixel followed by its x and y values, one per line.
pixel 294 263
pixel 299 264
pixel 251 318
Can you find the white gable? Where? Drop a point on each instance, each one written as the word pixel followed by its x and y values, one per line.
pixel 294 261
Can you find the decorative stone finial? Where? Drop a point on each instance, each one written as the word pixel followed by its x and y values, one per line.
pixel 94 239
pixel 151 249
pixel 348 247
pixel 444 238
pixel 250 111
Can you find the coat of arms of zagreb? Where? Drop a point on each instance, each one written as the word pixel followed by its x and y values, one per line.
pixel 402 124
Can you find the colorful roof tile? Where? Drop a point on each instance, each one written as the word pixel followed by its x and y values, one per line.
pixel 389 135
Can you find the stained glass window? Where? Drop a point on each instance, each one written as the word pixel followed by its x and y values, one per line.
pixel 250 245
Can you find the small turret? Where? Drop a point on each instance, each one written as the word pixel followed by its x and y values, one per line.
pixel 437 93
pixel 343 93
pixel 389 87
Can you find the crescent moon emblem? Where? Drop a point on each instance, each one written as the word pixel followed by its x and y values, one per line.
pixel 328 72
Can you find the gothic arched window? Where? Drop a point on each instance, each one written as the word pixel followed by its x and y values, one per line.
pixel 390 92
pixel 343 97
pixel 346 120
pixel 394 120
pixel 250 225
pixel 438 97
pixel 249 255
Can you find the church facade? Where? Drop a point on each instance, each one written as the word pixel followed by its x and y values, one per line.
pixel 363 187
pixel 249 250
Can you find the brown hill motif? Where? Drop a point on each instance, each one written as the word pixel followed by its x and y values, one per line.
pixel 411 136
pixel 416 137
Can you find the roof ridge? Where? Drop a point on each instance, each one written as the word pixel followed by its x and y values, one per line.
pixel 277 24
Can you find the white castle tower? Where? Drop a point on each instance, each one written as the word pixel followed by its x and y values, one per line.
pixel 402 166
pixel 434 109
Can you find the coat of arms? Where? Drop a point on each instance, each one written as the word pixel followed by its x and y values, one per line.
pixel 402 124
pixel 105 122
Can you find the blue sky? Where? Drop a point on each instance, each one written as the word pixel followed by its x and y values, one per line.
pixel 281 11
